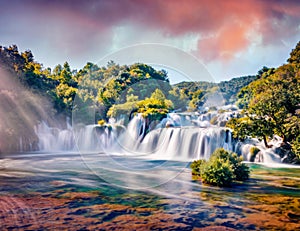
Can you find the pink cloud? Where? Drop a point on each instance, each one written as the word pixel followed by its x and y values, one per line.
pixel 223 27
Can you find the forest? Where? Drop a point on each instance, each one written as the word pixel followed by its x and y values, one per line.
pixel 112 87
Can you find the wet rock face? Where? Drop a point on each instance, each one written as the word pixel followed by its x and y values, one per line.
pixel 284 151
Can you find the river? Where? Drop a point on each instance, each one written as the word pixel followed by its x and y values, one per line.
pixel 88 191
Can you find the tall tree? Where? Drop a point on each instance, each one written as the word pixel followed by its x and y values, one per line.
pixel 273 104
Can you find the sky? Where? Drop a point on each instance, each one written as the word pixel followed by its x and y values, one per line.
pixel 229 38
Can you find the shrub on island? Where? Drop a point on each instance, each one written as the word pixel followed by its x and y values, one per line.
pixel 222 168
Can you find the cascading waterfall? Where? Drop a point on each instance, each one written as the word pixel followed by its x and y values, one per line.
pixel 265 155
pixel 186 143
pixel 171 141
pixel 180 136
pixel 94 138
pixel 90 138
pixel 54 139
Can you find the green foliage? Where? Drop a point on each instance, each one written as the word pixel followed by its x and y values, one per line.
pixel 217 172
pixel 125 109
pixel 296 147
pixel 197 100
pixel 138 79
pixel 196 166
pixel 67 94
pixel 156 107
pixel 241 171
pixel 30 73
pixel 190 87
pixel 179 98
pixel 222 168
pixel 253 152
pixel 271 103
pixel 295 55
pixel 192 94
pixel 102 87
pixel 230 89
pixel 101 122
pixel 116 110
pixel 236 162
pixel 105 90
pixel 250 126
pixel 244 96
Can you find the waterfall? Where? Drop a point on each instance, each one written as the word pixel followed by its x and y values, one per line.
pixel 174 142
pixel 180 136
pixel 265 155
pixel 90 138
pixel 94 138
pixel 54 139
pixel 170 140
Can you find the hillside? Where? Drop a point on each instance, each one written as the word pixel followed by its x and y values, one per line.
pixel 229 89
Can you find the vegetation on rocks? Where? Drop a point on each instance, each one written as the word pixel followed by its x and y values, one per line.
pixel 222 168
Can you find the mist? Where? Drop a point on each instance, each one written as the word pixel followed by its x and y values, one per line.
pixel 20 111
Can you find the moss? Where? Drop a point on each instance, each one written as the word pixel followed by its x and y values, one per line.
pixel 214 120
pixel 253 152
pixel 101 122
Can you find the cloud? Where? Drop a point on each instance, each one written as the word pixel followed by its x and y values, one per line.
pixel 224 44
pixel 223 28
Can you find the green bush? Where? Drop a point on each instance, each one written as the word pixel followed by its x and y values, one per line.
pixel 222 168
pixel 217 172
pixel 196 166
pixel 253 152
pixel 241 172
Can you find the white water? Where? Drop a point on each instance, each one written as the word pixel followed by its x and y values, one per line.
pixel 178 137
pixel 175 142
pixel 265 155
pixel 90 138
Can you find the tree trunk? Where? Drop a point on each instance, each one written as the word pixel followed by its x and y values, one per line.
pixel 284 140
pixel 265 142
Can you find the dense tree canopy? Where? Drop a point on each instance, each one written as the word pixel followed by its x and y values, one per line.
pixel 295 55
pixel 272 103
pixel 106 89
